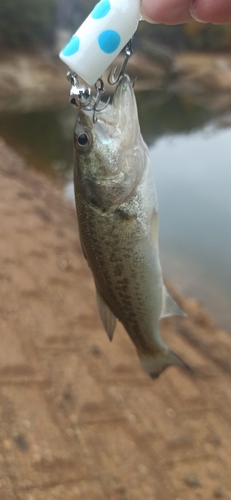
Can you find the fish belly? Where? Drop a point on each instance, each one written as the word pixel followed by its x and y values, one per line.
pixel 124 260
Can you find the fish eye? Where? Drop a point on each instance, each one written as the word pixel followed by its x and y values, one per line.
pixel 82 141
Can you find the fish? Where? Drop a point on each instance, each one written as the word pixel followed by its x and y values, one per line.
pixel 117 212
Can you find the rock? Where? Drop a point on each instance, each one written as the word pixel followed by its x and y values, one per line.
pixel 193 481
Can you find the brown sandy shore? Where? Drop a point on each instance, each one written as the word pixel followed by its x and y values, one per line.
pixel 78 417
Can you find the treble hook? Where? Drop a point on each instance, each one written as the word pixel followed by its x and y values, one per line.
pixel 81 96
pixel 99 86
pixel 112 78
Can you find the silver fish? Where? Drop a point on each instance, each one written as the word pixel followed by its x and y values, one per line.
pixel 117 214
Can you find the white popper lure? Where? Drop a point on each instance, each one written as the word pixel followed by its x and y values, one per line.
pixel 101 37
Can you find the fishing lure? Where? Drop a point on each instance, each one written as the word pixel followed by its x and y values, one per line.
pixel 102 36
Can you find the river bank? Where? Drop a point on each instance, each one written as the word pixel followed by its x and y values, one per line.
pixel 33 81
pixel 79 418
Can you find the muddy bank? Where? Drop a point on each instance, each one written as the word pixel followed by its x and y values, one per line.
pixel 79 418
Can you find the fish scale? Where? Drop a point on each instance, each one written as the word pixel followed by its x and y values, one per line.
pixel 125 297
pixel 118 223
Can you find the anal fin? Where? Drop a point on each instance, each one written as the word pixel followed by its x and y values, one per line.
pixel 107 317
pixel 169 306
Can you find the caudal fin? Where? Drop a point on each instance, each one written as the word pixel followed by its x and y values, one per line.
pixel 155 365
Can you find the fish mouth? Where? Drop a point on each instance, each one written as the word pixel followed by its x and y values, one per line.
pixel 124 102
pixel 119 120
pixel 124 91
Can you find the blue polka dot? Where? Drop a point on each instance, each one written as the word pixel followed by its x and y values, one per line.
pixel 101 9
pixel 109 41
pixel 72 47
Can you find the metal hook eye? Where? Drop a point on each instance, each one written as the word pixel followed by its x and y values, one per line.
pixel 72 78
pixel 99 85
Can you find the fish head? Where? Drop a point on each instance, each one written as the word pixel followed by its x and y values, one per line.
pixel 110 154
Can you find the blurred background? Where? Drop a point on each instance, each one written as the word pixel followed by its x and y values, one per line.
pixel 184 99
pixel 79 419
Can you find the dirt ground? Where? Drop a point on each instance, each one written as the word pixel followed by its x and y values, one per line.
pixel 79 419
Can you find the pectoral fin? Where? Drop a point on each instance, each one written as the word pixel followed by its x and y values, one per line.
pixel 169 306
pixel 107 317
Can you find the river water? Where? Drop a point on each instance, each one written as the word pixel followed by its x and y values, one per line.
pixel 189 140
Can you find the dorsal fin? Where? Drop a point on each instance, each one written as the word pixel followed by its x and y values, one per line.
pixel 169 306
pixel 107 317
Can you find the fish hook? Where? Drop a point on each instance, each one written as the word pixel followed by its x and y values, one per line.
pixel 112 78
pixel 99 86
pixel 81 97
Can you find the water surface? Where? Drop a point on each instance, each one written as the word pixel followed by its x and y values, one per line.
pixel 193 177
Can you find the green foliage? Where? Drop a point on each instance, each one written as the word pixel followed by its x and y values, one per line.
pixel 207 36
pixel 26 23
pixel 70 14
pixel 192 36
pixel 172 36
pixel 32 23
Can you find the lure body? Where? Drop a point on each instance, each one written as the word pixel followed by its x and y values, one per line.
pixel 101 37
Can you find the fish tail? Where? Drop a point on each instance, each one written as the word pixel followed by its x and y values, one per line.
pixel 156 364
